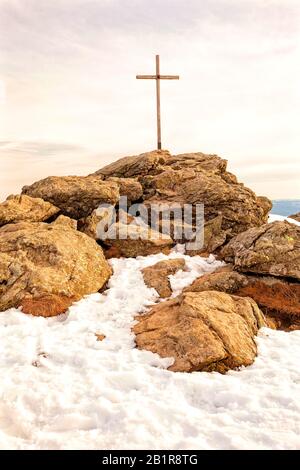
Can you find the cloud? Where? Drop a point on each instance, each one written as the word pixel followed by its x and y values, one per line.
pixel 23 163
pixel 69 66
pixel 39 148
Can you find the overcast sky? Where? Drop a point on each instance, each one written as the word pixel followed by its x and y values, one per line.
pixel 70 102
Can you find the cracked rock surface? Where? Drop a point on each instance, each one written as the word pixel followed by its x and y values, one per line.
pixel 208 331
pixel 270 249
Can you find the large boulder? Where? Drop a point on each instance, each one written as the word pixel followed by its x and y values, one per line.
pixel 278 299
pixel 270 249
pixel 18 208
pixel 157 275
pixel 76 196
pixel 207 331
pixel 193 179
pixel 46 267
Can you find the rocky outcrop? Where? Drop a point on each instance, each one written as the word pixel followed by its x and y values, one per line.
pixel 46 267
pixel 19 208
pixel 193 179
pixel 157 275
pixel 278 299
pixel 165 180
pixel 270 249
pixel 202 331
pixel 75 196
pixel 295 216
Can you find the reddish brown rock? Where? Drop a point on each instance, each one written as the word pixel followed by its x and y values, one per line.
pixel 48 305
pixel 157 275
pixel 100 336
pixel 278 299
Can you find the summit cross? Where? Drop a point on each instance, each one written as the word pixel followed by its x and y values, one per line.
pixel 158 78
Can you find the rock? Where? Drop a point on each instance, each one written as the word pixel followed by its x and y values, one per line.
pixel 46 267
pixel 90 225
pixel 157 275
pixel 152 163
pixel 207 331
pixel 76 196
pixel 128 167
pixel 25 208
pixel 223 279
pixel 278 299
pixel 265 204
pixel 133 240
pixel 199 161
pixel 239 207
pixel 100 336
pixel 270 249
pixel 128 187
pixel 213 237
pixel 194 179
pixel 295 216
pixel 47 305
pixel 65 221
pixel 102 218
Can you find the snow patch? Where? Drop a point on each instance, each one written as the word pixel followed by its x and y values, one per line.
pixel 281 218
pixel 62 389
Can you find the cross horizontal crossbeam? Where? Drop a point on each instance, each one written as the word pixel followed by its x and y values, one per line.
pixel 158 77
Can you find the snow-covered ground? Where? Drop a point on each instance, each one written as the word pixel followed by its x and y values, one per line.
pixel 62 389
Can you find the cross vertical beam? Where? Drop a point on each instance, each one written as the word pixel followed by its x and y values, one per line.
pixel 158 103
pixel 158 78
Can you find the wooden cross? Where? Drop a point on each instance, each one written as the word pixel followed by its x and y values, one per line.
pixel 158 77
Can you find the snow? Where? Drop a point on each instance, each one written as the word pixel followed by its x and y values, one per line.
pixel 281 218
pixel 62 389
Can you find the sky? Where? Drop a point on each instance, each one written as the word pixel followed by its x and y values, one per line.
pixel 70 102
